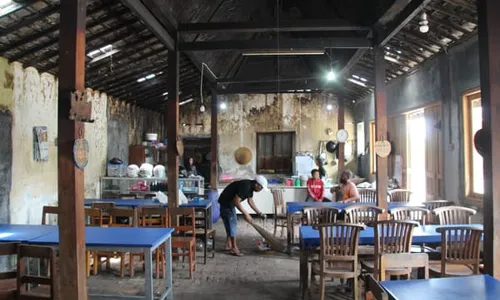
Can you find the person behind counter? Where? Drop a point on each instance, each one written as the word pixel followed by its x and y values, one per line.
pixel 231 197
pixel 316 188
pixel 321 169
pixel 347 190
pixel 191 168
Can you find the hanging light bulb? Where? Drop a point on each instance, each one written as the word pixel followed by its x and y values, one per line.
pixel 331 76
pixel 424 23
pixel 202 108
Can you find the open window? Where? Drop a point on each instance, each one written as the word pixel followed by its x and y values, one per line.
pixel 473 121
pixel 275 152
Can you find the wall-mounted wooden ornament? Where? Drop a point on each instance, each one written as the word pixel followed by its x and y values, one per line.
pixel 382 148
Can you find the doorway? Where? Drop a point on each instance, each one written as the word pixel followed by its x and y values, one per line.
pixel 416 179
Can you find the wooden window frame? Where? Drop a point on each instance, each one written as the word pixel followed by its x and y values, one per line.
pixel 471 197
pixel 373 139
pixel 258 168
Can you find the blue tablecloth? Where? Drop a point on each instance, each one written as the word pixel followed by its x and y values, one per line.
pixel 482 287
pixel 425 234
pixel 23 233
pixel 147 202
pixel 112 237
pixel 293 207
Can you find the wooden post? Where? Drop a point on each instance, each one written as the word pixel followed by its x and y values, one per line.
pixel 214 138
pixel 489 47
pixel 173 128
pixel 341 125
pixel 73 280
pixel 380 124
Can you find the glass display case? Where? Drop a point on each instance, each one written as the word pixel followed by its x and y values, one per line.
pixel 122 186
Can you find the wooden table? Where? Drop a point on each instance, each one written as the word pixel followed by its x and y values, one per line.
pixel 309 240
pixel 482 287
pixel 125 239
pixel 294 209
pixel 203 206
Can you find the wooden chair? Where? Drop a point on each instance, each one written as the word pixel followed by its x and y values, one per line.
pixel 432 205
pixel 187 244
pixel 318 215
pixel 390 261
pixel 416 214
pixel 390 237
pixel 460 252
pixel 368 196
pixel 23 279
pixel 280 219
pixel 8 286
pixel 152 217
pixel 49 210
pixel 374 291
pixel 400 195
pixel 338 257
pixel 93 217
pixel 454 215
pixel 105 207
pixel 362 213
pixel 114 214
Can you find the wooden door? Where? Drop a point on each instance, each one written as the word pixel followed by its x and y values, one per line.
pixel 434 152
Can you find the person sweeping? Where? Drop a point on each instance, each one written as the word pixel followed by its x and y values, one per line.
pixel 232 197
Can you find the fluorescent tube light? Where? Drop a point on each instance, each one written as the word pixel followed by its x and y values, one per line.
pixel 284 52
pixel 357 82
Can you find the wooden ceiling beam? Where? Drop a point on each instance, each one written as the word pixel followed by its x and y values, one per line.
pixel 30 19
pixel 94 37
pixel 48 31
pixel 274 45
pixel 270 26
pixel 403 18
pixel 452 14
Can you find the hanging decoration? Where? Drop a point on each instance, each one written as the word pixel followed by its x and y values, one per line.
pixel 81 151
pixel 81 108
pixel 383 148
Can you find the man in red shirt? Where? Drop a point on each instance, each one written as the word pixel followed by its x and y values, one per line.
pixel 315 188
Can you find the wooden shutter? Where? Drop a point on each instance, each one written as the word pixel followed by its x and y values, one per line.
pixel 433 152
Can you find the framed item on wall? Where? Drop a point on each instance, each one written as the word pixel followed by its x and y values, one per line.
pixel 40 143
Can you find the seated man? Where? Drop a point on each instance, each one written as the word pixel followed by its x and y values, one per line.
pixel 316 188
pixel 346 191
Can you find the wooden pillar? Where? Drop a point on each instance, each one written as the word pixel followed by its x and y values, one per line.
pixel 380 124
pixel 341 125
pixel 173 127
pixel 214 138
pixel 489 47
pixel 73 280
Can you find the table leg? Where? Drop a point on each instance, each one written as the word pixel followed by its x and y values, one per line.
pixel 289 229
pixel 206 238
pixel 168 266
pixel 304 271
pixel 148 258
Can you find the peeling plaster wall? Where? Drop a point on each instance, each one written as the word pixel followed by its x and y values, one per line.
pixel 127 125
pixel 34 184
pixel 97 135
pixel 248 114
pixel 29 99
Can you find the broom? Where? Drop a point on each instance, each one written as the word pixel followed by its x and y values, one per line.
pixel 273 241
